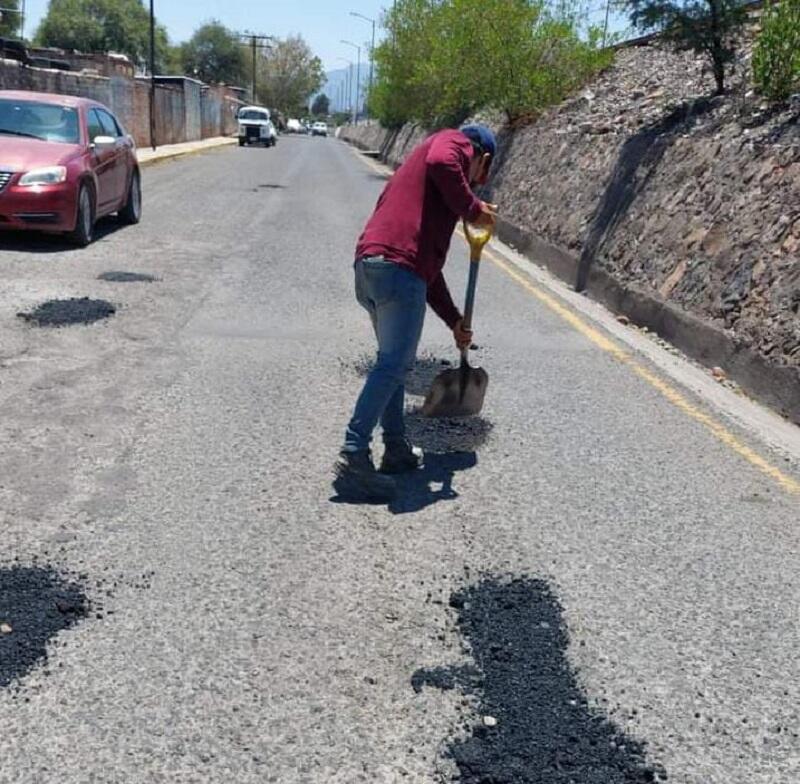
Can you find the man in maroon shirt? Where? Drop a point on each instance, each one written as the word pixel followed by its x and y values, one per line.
pixel 398 268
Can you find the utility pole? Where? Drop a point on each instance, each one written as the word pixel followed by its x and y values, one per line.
pixel 358 76
pixel 372 45
pixel 349 80
pixel 256 42
pixel 152 76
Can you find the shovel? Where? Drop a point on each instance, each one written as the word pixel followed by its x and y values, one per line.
pixel 459 392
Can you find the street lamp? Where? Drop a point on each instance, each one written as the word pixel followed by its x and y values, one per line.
pixel 358 75
pixel 372 45
pixel 349 83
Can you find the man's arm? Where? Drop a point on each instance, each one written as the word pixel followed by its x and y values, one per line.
pixel 442 303
pixel 447 160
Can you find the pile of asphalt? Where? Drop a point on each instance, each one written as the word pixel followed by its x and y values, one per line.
pixel 36 603
pixel 116 276
pixel 61 312
pixel 536 726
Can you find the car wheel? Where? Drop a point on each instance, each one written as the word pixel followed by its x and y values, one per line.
pixel 131 213
pixel 83 233
pixel 241 142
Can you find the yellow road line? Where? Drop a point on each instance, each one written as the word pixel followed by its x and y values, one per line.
pixel 677 399
pixel 718 430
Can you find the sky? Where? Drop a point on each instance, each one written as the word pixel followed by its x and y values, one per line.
pixel 323 23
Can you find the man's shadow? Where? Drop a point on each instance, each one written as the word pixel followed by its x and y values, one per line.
pixel 450 444
pixel 535 724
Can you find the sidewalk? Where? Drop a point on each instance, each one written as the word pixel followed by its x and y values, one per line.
pixel 148 156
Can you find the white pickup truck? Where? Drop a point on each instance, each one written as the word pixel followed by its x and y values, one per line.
pixel 255 127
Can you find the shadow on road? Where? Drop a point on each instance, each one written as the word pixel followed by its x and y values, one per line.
pixel 536 725
pixel 432 483
pixel 35 604
pixel 34 242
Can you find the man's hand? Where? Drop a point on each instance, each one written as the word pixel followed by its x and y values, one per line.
pixel 487 217
pixel 463 337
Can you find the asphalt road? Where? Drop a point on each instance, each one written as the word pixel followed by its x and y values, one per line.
pixel 590 584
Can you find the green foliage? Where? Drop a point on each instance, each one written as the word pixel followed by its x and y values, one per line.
pixel 442 60
pixel 776 59
pixel 288 74
pixel 102 26
pixel 213 55
pixel 9 18
pixel 705 26
pixel 321 105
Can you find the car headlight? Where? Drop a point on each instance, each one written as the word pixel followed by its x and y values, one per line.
pixel 51 175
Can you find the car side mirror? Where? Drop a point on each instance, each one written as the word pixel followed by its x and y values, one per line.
pixel 103 143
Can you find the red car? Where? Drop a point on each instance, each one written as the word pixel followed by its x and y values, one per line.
pixel 64 163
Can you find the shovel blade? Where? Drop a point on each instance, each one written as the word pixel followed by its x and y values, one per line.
pixel 457 392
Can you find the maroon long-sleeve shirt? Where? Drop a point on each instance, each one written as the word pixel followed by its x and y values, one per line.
pixel 415 215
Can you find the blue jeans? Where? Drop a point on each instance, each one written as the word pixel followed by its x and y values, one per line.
pixel 394 297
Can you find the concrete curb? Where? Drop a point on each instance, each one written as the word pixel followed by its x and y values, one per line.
pixel 777 386
pixel 172 155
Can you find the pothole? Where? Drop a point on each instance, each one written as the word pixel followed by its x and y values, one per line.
pixel 116 276
pixel 77 310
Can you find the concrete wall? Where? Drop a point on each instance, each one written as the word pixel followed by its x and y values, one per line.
pixel 186 110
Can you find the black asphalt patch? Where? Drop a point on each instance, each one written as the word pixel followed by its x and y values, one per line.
pixel 447 434
pixel 127 277
pixel 36 603
pixel 536 725
pixel 61 312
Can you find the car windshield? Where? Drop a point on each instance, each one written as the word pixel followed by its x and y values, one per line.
pixel 252 114
pixel 46 121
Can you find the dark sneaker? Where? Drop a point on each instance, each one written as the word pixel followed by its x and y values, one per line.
pixel 399 458
pixel 356 479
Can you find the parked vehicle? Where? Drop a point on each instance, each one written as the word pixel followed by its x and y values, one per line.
pixel 294 125
pixel 64 163
pixel 255 127
pixel 319 129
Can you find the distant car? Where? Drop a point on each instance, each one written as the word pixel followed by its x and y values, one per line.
pixel 294 126
pixel 255 127
pixel 64 163
pixel 319 129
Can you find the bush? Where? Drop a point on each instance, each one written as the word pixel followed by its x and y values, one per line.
pixel 776 58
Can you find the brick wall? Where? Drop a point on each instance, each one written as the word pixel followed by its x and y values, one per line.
pixel 186 110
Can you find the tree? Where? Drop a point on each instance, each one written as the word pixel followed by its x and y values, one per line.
pixel 776 59
pixel 444 59
pixel 288 74
pixel 213 55
pixel 707 27
pixel 9 17
pixel 102 26
pixel 321 105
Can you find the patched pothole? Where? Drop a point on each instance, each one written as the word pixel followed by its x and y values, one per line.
pixel 76 310
pixel 117 276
